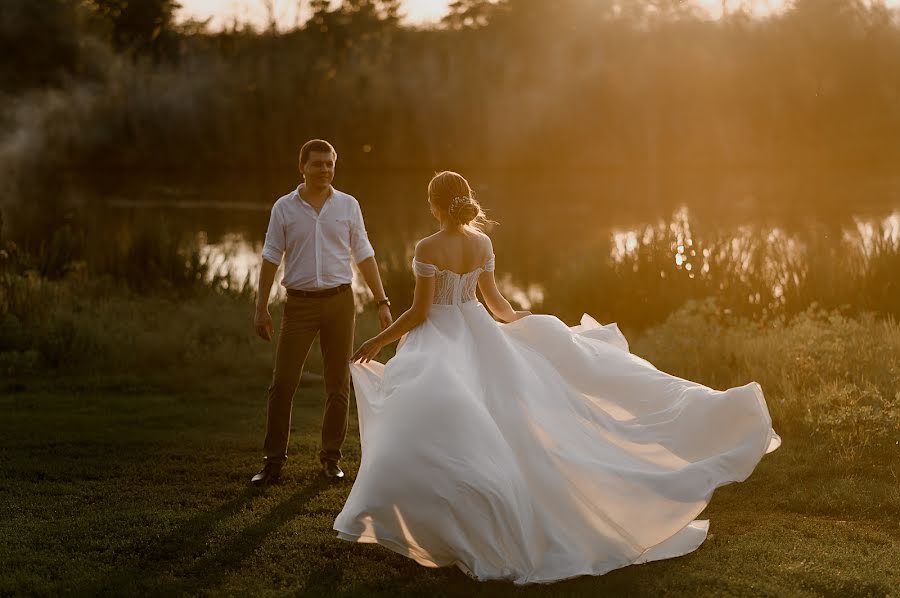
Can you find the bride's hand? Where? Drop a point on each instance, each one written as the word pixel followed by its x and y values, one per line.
pixel 367 351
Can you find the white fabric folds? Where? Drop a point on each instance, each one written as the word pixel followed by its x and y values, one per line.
pixel 535 452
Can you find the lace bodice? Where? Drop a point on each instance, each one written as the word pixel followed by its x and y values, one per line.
pixel 451 287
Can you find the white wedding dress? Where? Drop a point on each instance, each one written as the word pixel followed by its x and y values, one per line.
pixel 535 452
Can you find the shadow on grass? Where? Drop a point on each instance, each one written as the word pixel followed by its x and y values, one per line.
pixel 158 571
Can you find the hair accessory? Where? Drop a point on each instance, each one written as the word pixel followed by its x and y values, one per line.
pixel 457 202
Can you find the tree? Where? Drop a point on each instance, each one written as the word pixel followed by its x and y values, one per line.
pixel 41 42
pixel 471 13
pixel 360 15
pixel 139 26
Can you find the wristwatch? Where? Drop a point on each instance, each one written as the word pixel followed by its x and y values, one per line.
pixel 384 301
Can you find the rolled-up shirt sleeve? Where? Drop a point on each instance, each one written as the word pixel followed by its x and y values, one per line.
pixel 273 249
pixel 359 239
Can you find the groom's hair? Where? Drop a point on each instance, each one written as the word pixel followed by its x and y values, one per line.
pixel 315 145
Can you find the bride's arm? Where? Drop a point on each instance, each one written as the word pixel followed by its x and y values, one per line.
pixel 495 300
pixel 411 318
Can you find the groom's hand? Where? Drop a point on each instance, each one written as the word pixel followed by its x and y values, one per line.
pixel 263 323
pixel 384 316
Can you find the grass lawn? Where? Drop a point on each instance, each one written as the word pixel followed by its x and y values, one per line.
pixel 146 492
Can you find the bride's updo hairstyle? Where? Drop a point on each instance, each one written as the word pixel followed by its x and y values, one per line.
pixel 451 194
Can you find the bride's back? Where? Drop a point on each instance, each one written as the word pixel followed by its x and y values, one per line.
pixel 460 252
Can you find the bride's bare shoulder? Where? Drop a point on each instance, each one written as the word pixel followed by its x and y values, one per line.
pixel 484 240
pixel 425 248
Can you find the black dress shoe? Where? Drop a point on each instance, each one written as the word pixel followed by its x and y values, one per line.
pixel 269 474
pixel 332 470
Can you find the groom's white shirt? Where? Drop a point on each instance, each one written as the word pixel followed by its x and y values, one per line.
pixel 318 248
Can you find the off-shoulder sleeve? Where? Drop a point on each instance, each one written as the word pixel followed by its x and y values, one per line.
pixel 423 269
pixel 489 266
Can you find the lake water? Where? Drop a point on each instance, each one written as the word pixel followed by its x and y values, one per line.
pixel 548 223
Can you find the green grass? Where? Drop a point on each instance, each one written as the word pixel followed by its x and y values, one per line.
pixel 115 493
pixel 132 423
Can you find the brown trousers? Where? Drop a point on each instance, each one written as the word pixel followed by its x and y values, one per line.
pixel 333 319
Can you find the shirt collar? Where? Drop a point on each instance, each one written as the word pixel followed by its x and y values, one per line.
pixel 304 202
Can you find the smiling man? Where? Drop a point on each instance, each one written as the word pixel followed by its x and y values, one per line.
pixel 318 230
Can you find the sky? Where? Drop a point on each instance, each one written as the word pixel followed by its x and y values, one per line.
pixel 224 12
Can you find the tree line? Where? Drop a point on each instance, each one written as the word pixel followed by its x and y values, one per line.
pixel 523 84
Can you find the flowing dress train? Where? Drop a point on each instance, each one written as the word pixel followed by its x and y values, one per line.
pixel 533 451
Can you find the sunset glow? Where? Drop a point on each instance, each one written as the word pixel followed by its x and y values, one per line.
pixel 287 13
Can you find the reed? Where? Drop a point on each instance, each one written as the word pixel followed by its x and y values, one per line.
pixel 640 278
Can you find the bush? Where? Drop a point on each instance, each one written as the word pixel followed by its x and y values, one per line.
pixel 823 372
pixel 17 364
pixel 96 327
pixel 853 416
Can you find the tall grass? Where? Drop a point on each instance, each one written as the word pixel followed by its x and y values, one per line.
pixel 823 372
pixel 145 306
pixel 96 329
pixel 639 277
pixel 136 304
pixel 148 281
pixel 147 256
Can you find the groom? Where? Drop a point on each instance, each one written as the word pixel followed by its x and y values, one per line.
pixel 318 230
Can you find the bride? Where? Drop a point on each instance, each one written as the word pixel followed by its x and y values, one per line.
pixel 530 451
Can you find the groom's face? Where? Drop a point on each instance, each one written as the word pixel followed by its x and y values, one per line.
pixel 318 170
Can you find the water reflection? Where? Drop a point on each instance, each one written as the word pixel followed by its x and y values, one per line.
pixel 568 245
pixel 528 296
pixel 756 269
pixel 748 254
pixel 233 256
pixel 871 236
pixel 238 260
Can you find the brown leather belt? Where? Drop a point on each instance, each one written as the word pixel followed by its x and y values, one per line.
pixel 318 294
